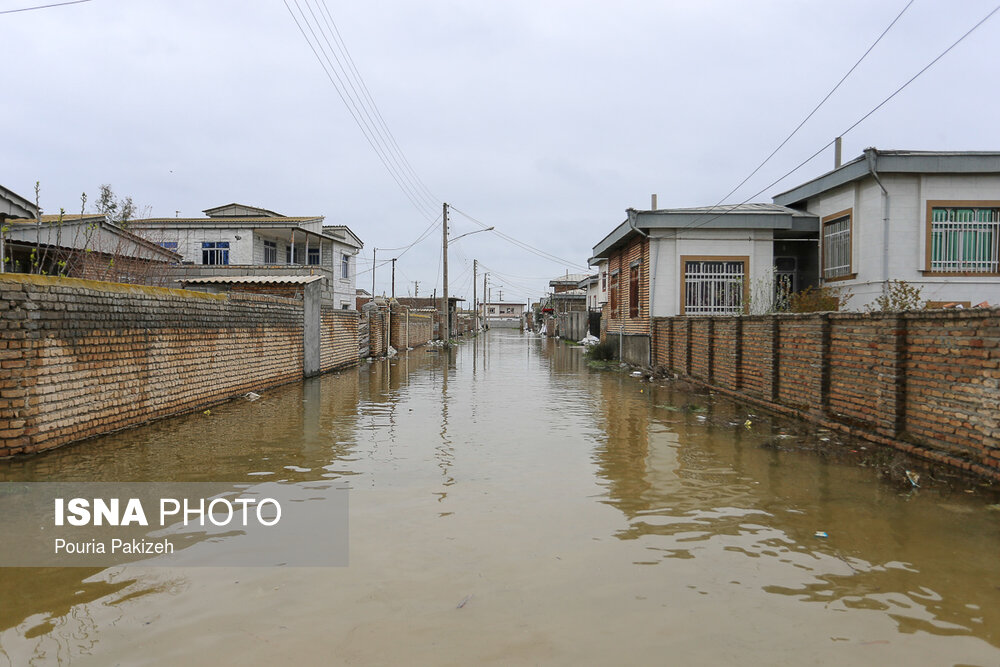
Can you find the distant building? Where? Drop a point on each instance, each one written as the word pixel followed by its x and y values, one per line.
pixel 236 239
pixel 502 314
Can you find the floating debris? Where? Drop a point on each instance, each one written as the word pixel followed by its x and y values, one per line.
pixel 747 424
pixel 251 396
pixel 207 413
pixel 637 374
pixel 820 533
pixel 464 601
pixel 914 478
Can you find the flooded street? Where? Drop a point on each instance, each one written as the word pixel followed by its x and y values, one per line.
pixel 510 505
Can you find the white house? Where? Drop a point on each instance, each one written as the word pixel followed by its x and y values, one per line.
pixel 236 239
pixel 703 261
pixel 931 219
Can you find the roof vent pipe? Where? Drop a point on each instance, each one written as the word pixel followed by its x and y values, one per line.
pixel 836 153
pixel 652 206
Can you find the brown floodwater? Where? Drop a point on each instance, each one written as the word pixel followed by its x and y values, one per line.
pixel 511 505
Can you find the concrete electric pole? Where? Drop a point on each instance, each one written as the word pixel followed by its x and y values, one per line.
pixel 444 262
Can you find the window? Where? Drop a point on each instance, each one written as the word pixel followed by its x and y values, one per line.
pixel 613 294
pixel 215 252
pixel 784 279
pixel 714 285
pixel 312 256
pixel 289 254
pixel 837 246
pixel 345 265
pixel 963 239
pixel 604 281
pixel 345 306
pixel 633 289
pixel 270 252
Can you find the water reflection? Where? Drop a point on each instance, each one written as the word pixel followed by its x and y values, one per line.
pixel 578 496
pixel 693 478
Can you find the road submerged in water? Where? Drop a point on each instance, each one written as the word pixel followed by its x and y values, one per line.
pixel 511 505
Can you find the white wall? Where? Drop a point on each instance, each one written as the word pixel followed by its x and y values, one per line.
pixel 668 246
pixel 908 197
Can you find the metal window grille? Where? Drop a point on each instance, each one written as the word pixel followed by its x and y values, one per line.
pixel 215 252
pixel 837 248
pixel 713 287
pixel 313 257
pixel 270 252
pixel 965 239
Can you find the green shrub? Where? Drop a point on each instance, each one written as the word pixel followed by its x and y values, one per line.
pixel 602 352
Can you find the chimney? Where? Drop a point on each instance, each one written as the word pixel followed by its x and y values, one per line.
pixel 652 206
pixel 836 153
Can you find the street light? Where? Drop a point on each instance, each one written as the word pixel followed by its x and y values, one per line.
pixel 475 231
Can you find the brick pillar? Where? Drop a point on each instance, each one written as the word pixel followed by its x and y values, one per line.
pixel 18 366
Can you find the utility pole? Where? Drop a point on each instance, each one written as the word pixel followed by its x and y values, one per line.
pixel 475 306
pixel 373 273
pixel 500 299
pixel 486 299
pixel 444 261
pixel 416 288
pixel 393 277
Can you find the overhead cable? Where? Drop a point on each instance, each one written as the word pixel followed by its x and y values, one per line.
pixel 913 78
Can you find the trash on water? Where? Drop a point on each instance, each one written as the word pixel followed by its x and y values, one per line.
pixel 914 478
pixel 747 424
pixel 637 374
pixel 820 533
pixel 207 413
pixel 251 396
pixel 464 601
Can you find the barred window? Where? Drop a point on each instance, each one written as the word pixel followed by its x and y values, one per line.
pixel 270 252
pixel 837 248
pixel 714 287
pixel 215 252
pixel 965 239
pixel 312 256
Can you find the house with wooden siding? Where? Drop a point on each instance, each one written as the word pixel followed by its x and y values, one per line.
pixel 724 260
pixel 931 219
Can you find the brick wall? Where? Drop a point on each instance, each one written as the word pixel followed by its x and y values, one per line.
pixel 80 358
pixel 637 250
pixel 338 338
pixel 925 382
pixel 421 329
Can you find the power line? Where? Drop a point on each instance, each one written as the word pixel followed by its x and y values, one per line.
pixel 378 114
pixel 371 134
pixel 55 4
pixel 881 104
pixel 524 246
pixel 357 98
pixel 815 109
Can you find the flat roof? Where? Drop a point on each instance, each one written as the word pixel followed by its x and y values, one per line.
pixel 752 215
pixel 894 161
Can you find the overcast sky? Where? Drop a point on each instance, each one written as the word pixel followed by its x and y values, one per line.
pixel 546 119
